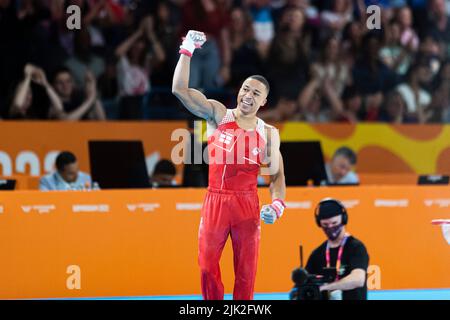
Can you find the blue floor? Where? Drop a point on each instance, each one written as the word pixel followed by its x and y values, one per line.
pixel 431 294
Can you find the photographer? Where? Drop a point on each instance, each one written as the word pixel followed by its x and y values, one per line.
pixel 341 252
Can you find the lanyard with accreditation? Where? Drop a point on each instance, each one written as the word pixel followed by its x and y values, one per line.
pixel 339 256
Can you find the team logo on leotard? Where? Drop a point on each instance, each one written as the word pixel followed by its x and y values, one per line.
pixel 225 138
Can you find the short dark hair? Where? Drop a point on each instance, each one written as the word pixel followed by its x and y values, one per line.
pixel 63 159
pixel 58 70
pixel 262 80
pixel 165 166
pixel 347 153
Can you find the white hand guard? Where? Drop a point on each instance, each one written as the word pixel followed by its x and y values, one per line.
pixel 193 40
pixel 271 212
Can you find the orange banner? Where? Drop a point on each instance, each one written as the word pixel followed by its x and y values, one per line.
pixel 29 148
pixel 144 242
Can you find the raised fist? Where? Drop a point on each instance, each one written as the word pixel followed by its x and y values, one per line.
pixel 193 40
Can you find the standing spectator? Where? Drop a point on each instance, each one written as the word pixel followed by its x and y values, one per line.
pixel 167 32
pixel 263 24
pixel 287 63
pixel 134 66
pixel 25 105
pixel 12 54
pixel 76 104
pixel 335 20
pixel 245 57
pixel 416 98
pixel 84 59
pixel 67 175
pixel 210 67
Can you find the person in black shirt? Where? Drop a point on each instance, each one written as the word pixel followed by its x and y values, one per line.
pixel 77 105
pixel 341 252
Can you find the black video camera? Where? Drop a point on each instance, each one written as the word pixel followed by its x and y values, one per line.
pixel 307 286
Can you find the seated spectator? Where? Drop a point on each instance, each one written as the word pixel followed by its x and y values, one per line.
pixel 163 174
pixel 352 38
pixel 84 59
pixel 312 100
pixel 134 68
pixel 346 107
pixel 349 107
pixel 439 107
pixel 408 37
pixel 331 66
pixel 25 105
pixel 77 105
pixel 431 52
pixel 443 78
pixel 286 109
pixel 395 56
pixel 439 23
pixel 339 170
pixel 372 106
pixel 67 175
pixel 307 6
pixel 416 98
pixel 394 109
pixel 370 75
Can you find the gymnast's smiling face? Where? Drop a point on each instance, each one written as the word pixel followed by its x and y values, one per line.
pixel 251 96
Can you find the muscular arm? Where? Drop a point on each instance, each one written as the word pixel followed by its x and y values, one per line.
pixel 354 280
pixel 277 180
pixel 194 100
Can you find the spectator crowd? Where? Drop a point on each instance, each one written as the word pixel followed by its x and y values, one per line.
pixel 323 62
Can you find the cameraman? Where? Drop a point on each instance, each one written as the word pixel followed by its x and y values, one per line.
pixel 340 252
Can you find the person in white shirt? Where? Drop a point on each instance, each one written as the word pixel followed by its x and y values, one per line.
pixel 416 98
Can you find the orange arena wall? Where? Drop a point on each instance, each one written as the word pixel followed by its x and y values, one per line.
pixel 144 242
pixel 29 148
